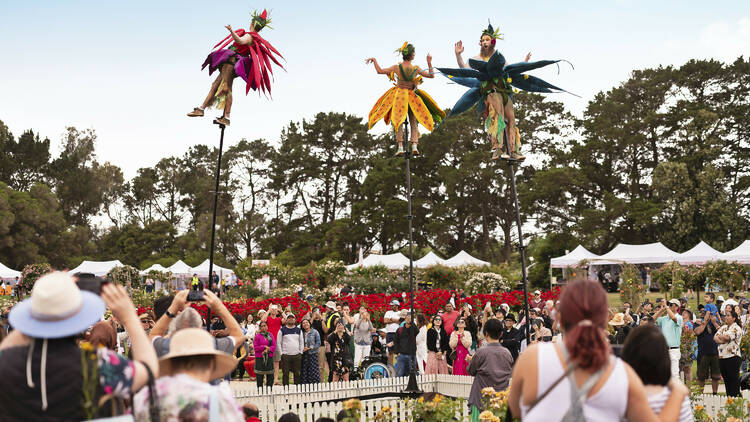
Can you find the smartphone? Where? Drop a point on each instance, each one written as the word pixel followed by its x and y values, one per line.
pixel 195 296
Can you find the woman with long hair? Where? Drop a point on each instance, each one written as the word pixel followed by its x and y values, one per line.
pixel 340 363
pixel 579 378
pixel 264 346
pixel 309 372
pixel 460 341
pixel 728 338
pixel 437 348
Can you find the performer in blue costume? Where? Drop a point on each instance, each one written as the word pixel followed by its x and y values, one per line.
pixel 490 84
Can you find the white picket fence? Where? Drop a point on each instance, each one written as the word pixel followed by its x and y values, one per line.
pixel 309 400
pixel 713 404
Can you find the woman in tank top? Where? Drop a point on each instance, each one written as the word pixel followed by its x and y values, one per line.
pixel 604 387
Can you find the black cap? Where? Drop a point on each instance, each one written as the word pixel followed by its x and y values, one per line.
pixel 510 317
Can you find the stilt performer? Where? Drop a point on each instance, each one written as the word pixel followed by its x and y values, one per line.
pixel 404 99
pixel 249 57
pixel 490 82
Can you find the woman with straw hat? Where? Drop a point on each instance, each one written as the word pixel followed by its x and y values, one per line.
pixel 183 388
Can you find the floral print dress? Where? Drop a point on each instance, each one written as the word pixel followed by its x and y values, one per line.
pixel 184 398
pixel 732 347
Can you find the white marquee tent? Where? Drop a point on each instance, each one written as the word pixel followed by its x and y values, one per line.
pixel 699 255
pixel 202 270
pixel 394 261
pixel 429 260
pixel 7 273
pixel 180 268
pixel 155 267
pixel 463 258
pixel 650 253
pixel 739 254
pixel 98 268
pixel 572 258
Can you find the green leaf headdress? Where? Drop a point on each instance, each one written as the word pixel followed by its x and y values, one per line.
pixel 260 20
pixel 406 50
pixel 492 32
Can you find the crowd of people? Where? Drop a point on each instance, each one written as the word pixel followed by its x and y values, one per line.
pixel 169 363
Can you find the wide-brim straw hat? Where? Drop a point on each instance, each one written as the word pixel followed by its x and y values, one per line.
pixel 618 319
pixel 56 309
pixel 196 342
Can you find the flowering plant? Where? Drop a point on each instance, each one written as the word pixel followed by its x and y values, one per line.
pixel 736 409
pixel 31 274
pixel 353 407
pixel 487 282
pixel 495 405
pixel 437 409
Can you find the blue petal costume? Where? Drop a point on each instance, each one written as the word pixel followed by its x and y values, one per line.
pixel 494 77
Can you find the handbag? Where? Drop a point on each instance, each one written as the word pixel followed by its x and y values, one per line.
pixel 153 403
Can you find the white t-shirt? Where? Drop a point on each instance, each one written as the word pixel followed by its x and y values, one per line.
pixel 392 327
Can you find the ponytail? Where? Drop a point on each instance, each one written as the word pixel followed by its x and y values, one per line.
pixel 583 314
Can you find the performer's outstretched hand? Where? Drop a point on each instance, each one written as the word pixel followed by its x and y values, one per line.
pixel 459 48
pixel 429 58
pixel 370 60
pixel 528 56
pixel 229 27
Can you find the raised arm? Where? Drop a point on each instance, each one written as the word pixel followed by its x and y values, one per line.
pixel 378 69
pixel 233 327
pixel 245 39
pixel 162 324
pixel 459 49
pixel 429 73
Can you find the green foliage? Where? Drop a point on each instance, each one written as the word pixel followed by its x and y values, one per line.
pixel 632 288
pixel 487 283
pixel 727 275
pixel 441 277
pixel 127 275
pixel 671 279
pixel 31 274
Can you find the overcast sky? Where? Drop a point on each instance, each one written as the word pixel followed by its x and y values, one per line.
pixel 131 70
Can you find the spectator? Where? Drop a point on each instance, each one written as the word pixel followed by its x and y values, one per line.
pixel 273 318
pixel 536 301
pixel 391 320
pixel 646 352
pixel 728 337
pixel 195 283
pixel 103 334
pixel 449 318
pixel 460 342
pixel 621 327
pixel 405 344
pixel 627 309
pixel 42 366
pixel 671 327
pixel 511 338
pixel 686 359
pixel 291 345
pixel 184 389
pixel 378 344
pixel 340 364
pixel 710 306
pixel 362 340
pixel 310 373
pixel 490 366
pixel 437 348
pixel 149 285
pixel 289 417
pixel 708 350
pixel 585 356
pixel 471 324
pixel 320 327
pixel 540 333
pixel 421 342
pixel 264 346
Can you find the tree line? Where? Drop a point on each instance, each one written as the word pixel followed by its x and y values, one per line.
pixel 662 156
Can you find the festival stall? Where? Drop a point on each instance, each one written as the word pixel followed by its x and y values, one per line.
pixel 700 254
pixel 202 270
pixel 650 253
pixel 740 254
pixel 180 268
pixel 429 260
pixel 155 267
pixel 395 261
pixel 8 275
pixel 571 259
pixel 98 268
pixel 464 259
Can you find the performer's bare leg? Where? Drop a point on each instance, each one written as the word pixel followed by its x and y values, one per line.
pixel 414 127
pixel 494 101
pixel 227 75
pixel 511 118
pixel 212 92
pixel 400 139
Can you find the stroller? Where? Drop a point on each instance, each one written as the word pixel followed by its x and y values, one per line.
pixel 375 366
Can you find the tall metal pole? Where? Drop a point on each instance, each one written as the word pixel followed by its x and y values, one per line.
pixel 521 247
pixel 213 219
pixel 412 386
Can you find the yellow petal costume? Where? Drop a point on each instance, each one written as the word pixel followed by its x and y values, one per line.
pixel 394 105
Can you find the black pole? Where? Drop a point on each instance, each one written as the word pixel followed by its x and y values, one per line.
pixel 412 386
pixel 213 220
pixel 521 247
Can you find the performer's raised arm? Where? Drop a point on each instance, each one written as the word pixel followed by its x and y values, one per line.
pixel 528 56
pixel 459 49
pixel 430 73
pixel 378 69
pixel 245 39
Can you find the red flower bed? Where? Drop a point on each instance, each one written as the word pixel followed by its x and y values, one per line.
pixel 427 302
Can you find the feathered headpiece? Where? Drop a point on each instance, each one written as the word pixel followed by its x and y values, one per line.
pixel 406 49
pixel 492 32
pixel 260 20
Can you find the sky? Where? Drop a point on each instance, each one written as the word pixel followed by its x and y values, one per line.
pixel 131 70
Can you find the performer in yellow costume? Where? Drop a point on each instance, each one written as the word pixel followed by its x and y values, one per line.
pixel 404 99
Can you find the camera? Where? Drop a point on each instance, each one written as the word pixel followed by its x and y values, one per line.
pixel 196 296
pixel 90 283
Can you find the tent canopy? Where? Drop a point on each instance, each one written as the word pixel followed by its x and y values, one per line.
pixel 429 260
pixel 155 267
pixel 179 268
pixel 651 253
pixel 6 272
pixel 202 269
pixel 739 254
pixel 395 261
pixel 572 258
pixel 98 268
pixel 463 258
pixel 700 254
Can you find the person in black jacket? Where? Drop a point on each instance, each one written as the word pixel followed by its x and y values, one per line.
pixel 511 337
pixel 405 344
pixel 437 348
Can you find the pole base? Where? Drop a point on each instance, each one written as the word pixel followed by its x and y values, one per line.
pixel 412 387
